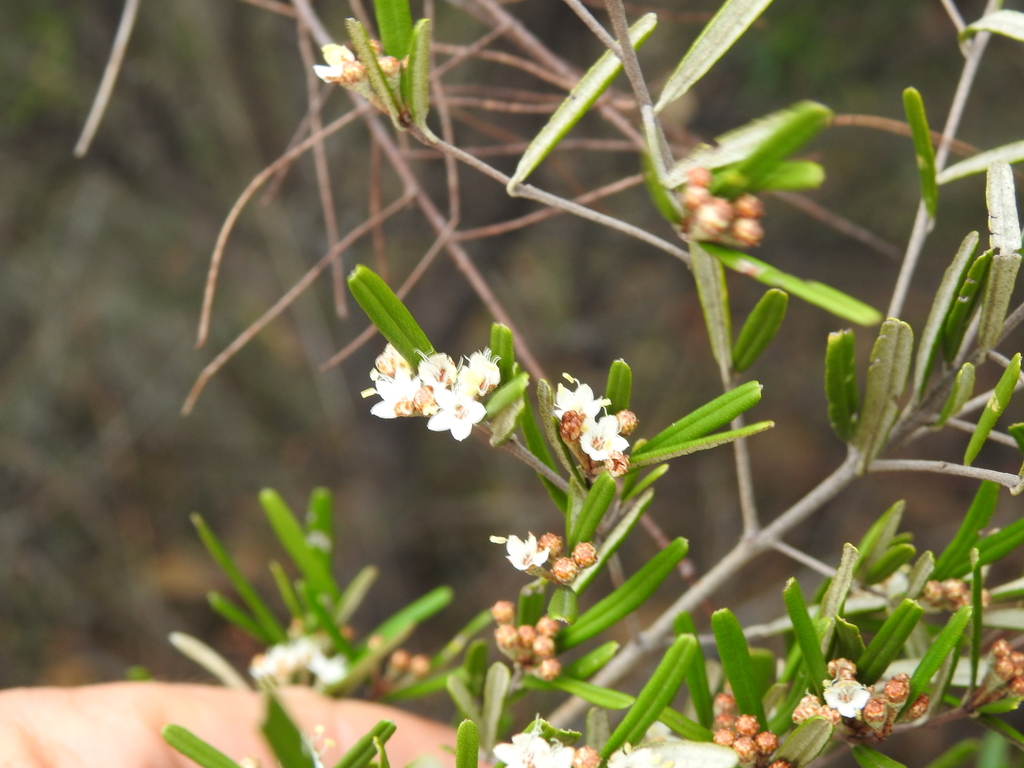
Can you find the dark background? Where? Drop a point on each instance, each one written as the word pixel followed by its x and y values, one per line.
pixel 103 261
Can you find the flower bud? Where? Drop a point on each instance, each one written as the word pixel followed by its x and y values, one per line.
pixel 695 196
pixel 399 661
pixel 503 612
pixel 766 743
pixel 527 635
pixel 376 46
pixel 584 554
pixel 547 627
pixel 390 66
pixel 725 702
pixel 586 757
pixel 571 427
pixel 1016 686
pixel 832 715
pixel 564 570
pixel 424 403
pixel 627 422
pixel 747 231
pixel 932 594
pixel 842 669
pixel 714 217
pixel 745 749
pixel 781 764
pixel 724 737
pixel 548 669
pixel 699 177
pixel 725 720
pixel 898 689
pixel 1001 648
pixel 956 592
pixel 749 207
pixel 617 463
pixel 875 714
pixel 506 637
pixel 543 647
pixel 1004 670
pixel 746 725
pixel 419 665
pixel 1018 661
pixel 918 708
pixel 553 543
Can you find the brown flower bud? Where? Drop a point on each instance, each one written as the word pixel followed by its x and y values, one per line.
pixel 804 712
pixel 766 743
pixel 548 669
pixel 527 635
pixel 503 612
pixel 507 637
pixel 347 632
pixel 746 725
pixel 617 463
pixel 564 570
pixel 571 426
pixel 1004 669
pixel 832 715
pixel 547 627
pixel 724 702
pixel 1018 661
pixel 376 46
pixel 747 231
pixel 373 642
pixel 695 196
pixel 932 594
pixel 956 592
pixel 399 661
pixel 424 403
pixel 1016 686
pixel 745 749
pixel 627 422
pixel 419 665
pixel 875 714
pixel 713 218
pixel 553 543
pixel 1001 648
pixel 781 764
pixel 749 207
pixel 405 408
pixel 699 177
pixel 543 647
pixel 842 669
pixel 724 737
pixel 586 757
pixel 584 554
pixel 390 66
pixel 897 689
pixel 918 708
pixel 724 720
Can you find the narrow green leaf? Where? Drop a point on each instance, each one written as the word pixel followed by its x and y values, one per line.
pixel 1010 591
pixel 416 75
pixel 894 558
pixel 363 751
pixel 293 539
pixel 993 409
pixel 888 642
pixel 1007 731
pixel 818 294
pixel 849 643
pixel 792 176
pixel 763 661
pixel 919 574
pixel 194 748
pixel 841 384
pixel 760 328
pixel 389 314
pixel 714 301
pixel 1005 240
pixel 978 608
pixel 998 289
pixel 629 491
pixel 614 539
pixel 931 336
pixel 1006 23
pixel 536 445
pixel 326 623
pixel 545 408
pixel 237 616
pixel 806 742
pixel 685 727
pixel 998 545
pixel 415 612
pixel 963 389
pixel 956 756
pixel 594 694
pixel 1001 707
pixel 1008 153
pixel 705 419
pixel 382 755
pixel 994 752
pixel 739 670
pixel 418 689
pixel 320 524
pixel 394 19
pixel 379 84
pixel 676 449
pixel 354 594
pixel 503 348
pixel 839 588
pixel 579 101
pixel 505 408
pixel 620 384
pixel 625 599
pixel 913 105
pixel 598 499
pixel 724 29
pixel 943 644
pixel 887 376
pixel 592 662
pixel 697 677
pixel 463 699
pixel 1016 431
pixel 968 295
pixel 563 606
pixel 879 536
pixel 495 690
pixel 467 749
pixel 806 636
pixel 507 394
pixel 264 616
pixel 656 694
pixel 868 757
pixel 285 739
pixel 474 667
pixel 666 203
pixel 531 603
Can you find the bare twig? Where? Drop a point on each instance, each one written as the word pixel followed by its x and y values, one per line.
pixel 1014 482
pixel 966 426
pixel 804 559
pixel 466 52
pixel 283 9
pixel 840 224
pixel 954 15
pixel 518 450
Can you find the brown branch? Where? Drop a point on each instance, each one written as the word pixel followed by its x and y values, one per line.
pixel 840 224
pixel 380 255
pixel 274 7
pixel 493 105
pixel 510 60
pixel 466 52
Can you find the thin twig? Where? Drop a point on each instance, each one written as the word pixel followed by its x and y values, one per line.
pixel 595 27
pixel 966 426
pixel 518 450
pixel 274 6
pixel 745 481
pixel 804 559
pixel 467 51
pixel 1014 482
pixel 495 105
pixel 109 79
pixel 510 60
pixel 954 15
pixel 839 223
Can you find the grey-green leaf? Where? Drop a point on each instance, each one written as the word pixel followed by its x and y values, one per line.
pixel 760 328
pixel 868 757
pixel 879 536
pixel 416 75
pixel 993 409
pixel 963 307
pixel 806 742
pixel 963 388
pixel 714 301
pixel 1006 23
pixel 1004 227
pixel 887 376
pixel 379 83
pixel 1008 153
pixel 495 690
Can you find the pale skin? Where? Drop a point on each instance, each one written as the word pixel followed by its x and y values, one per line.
pixel 117 725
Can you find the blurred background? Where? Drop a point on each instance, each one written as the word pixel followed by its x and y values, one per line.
pixel 102 263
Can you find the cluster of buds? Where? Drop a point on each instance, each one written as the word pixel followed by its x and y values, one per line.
pixel 447 393
pixel 596 438
pixel 858 710
pixel 532 646
pixel 1005 676
pixel 950 595
pixel 403 668
pixel 543 557
pixel 752 746
pixel 718 219
pixel 346 70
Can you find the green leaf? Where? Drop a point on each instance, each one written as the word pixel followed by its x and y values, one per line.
pixel 531 603
pixel 592 662
pixel 625 599
pixel 739 669
pixel 416 75
pixel 697 677
pixel 894 558
pixel 666 203
pixel 326 623
pixel 913 105
pixel 806 742
pixel 998 545
pixel 291 750
pixel 867 757
pixel 1000 707
pixel 1016 431
pixel 806 636
pixel 888 642
pixel 536 445
pixel 495 690
pixel 378 81
pixel 563 606
pixel 979 163
pixel 1007 731
pixel 364 750
pixel 931 336
pixel 763 661
pixel 792 176
pixel 839 588
pixel 320 524
pixel 963 389
pixel 943 644
pixel 724 29
pixel 195 749
pixel 507 394
pixel 271 629
pixel 1002 276
pixel 956 756
pixel 629 491
pixel 841 384
pixel 656 694
pixel 463 699
pixel 614 539
pixel 887 376
pixel 705 419
pixel 879 536
pixel 994 752
pixel 598 729
pixel 962 309
pixel 545 407
pixel 578 103
pixel 503 348
pixel 394 20
pixel 993 409
pixel 674 450
pixel 692 753
pixel 474 667
pixel 598 499
pixel 418 689
pixel 418 610
pixel 714 301
pixel 467 749
pixel 920 574
pixel 382 755
pixel 389 314
pixel 231 612
pixel 293 539
pixel 505 407
pixel 684 726
pixel 1005 240
pixel 620 384
pixel 595 694
pixel 1006 23
pixel 760 328
pixel 850 644
pixel 354 594
pixel 818 294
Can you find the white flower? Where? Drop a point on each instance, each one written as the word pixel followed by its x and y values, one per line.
pixel 281 662
pixel 397 392
pixel 479 375
pixel 389 362
pixel 328 671
pixel 846 696
pixel 523 554
pixel 531 750
pixel 601 437
pixel 456 413
pixel 336 57
pixel 635 758
pixel 582 400
pixel 437 371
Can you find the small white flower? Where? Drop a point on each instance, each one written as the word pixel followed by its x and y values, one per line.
pixel 523 554
pixel 531 750
pixel 281 662
pixel 456 413
pixel 601 437
pixel 336 57
pixel 846 696
pixel 479 375
pixel 631 758
pixel 389 362
pixel 437 371
pixel 328 671
pixel 397 393
pixel 582 400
